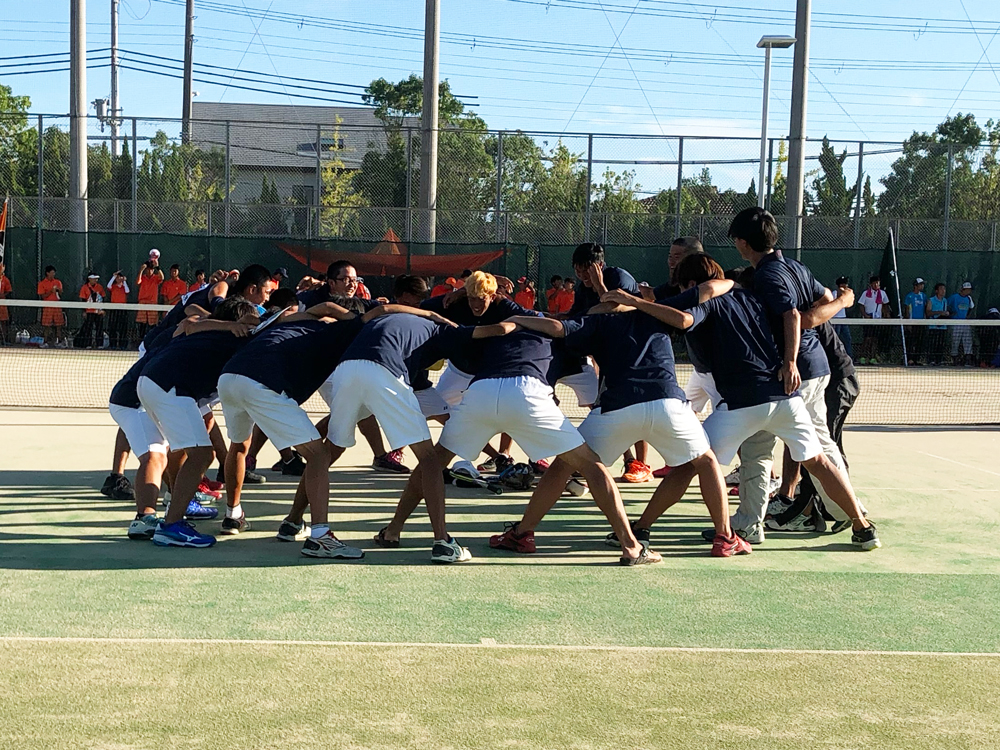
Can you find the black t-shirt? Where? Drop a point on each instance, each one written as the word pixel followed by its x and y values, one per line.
pixel 192 364
pixel 841 365
pixel 732 336
pixel 785 284
pixel 633 353
pixel 295 358
pixel 176 314
pixel 404 344
pixel 518 354
pixel 614 278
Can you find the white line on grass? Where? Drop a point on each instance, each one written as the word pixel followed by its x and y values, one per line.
pixel 485 643
pixel 967 466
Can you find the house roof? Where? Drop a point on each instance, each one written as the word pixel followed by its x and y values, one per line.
pixel 284 136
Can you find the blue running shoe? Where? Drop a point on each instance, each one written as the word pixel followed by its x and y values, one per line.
pixel 198 512
pixel 180 534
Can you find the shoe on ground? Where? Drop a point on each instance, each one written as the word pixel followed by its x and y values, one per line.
pixel 646 557
pixel 293 468
pixel 118 487
pixel 777 505
pixel 734 491
pixel 662 472
pixel 234 526
pixel 252 477
pixel 801 522
pixel 539 467
pixel 198 512
pixel 773 485
pixel 280 462
pixel 636 472
pixel 839 526
pixel 641 536
pixel 206 499
pixel 180 534
pixel 489 466
pixel 329 547
pixel 142 528
pixel 165 500
pixel 511 540
pixel 729 547
pixel 449 551
pixel 214 486
pixel 867 539
pixel 390 463
pixel 204 489
pixel 753 535
pixel 503 463
pixel 293 532
pixel 733 478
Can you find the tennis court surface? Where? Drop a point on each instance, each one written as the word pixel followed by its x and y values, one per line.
pixel 107 643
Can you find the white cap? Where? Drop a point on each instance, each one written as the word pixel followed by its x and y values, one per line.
pixel 993 311
pixel 93 276
pixel 154 253
pixel 918 280
pixel 967 285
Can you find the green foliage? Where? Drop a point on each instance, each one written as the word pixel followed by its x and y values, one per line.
pixel 831 196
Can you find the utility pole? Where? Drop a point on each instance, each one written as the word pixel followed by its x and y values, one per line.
pixel 114 78
pixel 797 126
pixel 78 116
pixel 188 64
pixel 429 124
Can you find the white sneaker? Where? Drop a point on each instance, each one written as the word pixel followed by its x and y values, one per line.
pixel 753 535
pixel 733 478
pixel 773 485
pixel 166 499
pixel 328 546
pixel 449 551
pixel 142 529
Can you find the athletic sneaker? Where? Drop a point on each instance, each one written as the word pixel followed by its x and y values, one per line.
pixel 252 477
pixel 328 546
pixel 839 526
pixel 646 557
pixel 734 545
pixel 142 528
pixel 233 526
pixel 280 462
pixel 641 535
pixel 213 486
pixel 733 478
pixel 778 504
pixel 754 535
pixel 180 534
pixel 510 539
pixel 662 472
pixel 293 468
pixel 198 512
pixel 489 466
pixel 539 467
pixel 773 485
pixel 636 472
pixel 204 489
pixel 801 522
pixel 293 532
pixel 391 463
pixel 867 539
pixel 449 551
pixel 118 487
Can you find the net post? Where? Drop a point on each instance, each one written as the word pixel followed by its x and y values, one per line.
pixel 590 177
pixel 857 197
pixel 40 208
pixel 499 198
pixel 947 195
pixel 899 299
pixel 680 185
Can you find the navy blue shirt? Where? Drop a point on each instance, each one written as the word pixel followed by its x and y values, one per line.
pixel 784 284
pixel 614 278
pixel 176 314
pixel 518 354
pixel 295 358
pixel 633 353
pixel 322 294
pixel 685 301
pixel 732 336
pixel 404 344
pixel 499 310
pixel 192 364
pixel 123 394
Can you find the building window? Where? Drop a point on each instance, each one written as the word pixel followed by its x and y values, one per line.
pixel 303 194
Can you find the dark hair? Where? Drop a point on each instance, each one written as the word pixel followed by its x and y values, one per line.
pixel 405 284
pixel 733 274
pixel 465 274
pixel 175 265
pixel 233 308
pixel 698 268
pixel 691 244
pixel 587 253
pixel 282 298
pixel 940 283
pixel 253 275
pixel 200 272
pixel 49 268
pixel 355 305
pixel 843 281
pixel 569 280
pixel 745 279
pixel 321 277
pixel 756 227
pixel 875 277
pixel 554 279
pixel 334 269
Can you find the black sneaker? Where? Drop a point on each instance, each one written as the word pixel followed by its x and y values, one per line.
pixel 641 536
pixel 290 532
pixel 867 538
pixel 252 477
pixel 121 489
pixel 233 526
pixel 109 482
pixel 293 468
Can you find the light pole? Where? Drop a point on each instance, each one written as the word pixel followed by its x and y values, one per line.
pixel 767 42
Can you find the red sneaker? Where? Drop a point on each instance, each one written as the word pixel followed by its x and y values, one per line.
pixel 510 539
pixel 203 487
pixel 734 492
pixel 636 472
pixel 734 545
pixel 213 486
pixel 661 473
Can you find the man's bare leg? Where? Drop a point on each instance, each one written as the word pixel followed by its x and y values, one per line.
pixel 413 493
pixel 669 492
pixel 218 440
pixel 547 493
pixel 122 450
pixel 433 486
pixel 790 474
pixel 838 487
pixel 235 467
pixel 713 491
pixel 506 441
pixel 373 435
pixel 190 474
pixel 147 482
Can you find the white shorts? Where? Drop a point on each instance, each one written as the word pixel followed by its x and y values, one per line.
pixel 701 391
pixel 431 403
pixel 583 384
pixel 787 419
pixel 361 389
pixel 140 430
pixel 667 424
pixel 326 390
pixel 178 417
pixel 206 405
pixel 246 402
pixel 452 384
pixel 522 407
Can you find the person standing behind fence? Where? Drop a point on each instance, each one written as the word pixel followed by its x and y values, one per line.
pixel 91 335
pixel 842 330
pixel 915 307
pixel 874 304
pixel 149 280
pixel 118 319
pixel 174 287
pixel 960 305
pixel 199 282
pixel 53 320
pixel 525 296
pixel 937 307
pixel 6 292
pixel 555 286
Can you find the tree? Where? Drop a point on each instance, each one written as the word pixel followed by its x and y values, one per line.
pixel 339 199
pixel 831 196
pixel 13 140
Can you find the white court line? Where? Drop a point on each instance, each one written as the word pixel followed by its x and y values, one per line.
pixel 485 644
pixel 967 466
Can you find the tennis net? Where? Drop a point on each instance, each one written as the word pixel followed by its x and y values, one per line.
pixel 910 373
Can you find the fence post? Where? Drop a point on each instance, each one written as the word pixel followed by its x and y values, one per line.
pixel 135 179
pixel 680 185
pixel 770 172
pixel 229 185
pixel 319 177
pixel 857 198
pixel 499 199
pixel 590 179
pixel 40 208
pixel 408 231
pixel 947 195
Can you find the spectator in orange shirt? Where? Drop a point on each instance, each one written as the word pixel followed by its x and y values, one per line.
pixel 91 335
pixel 569 294
pixel 53 320
pixel 363 291
pixel 199 281
pixel 449 285
pixel 561 298
pixel 525 296
pixel 555 286
pixel 149 280
pixel 6 292
pixel 280 274
pixel 118 319
pixel 174 287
